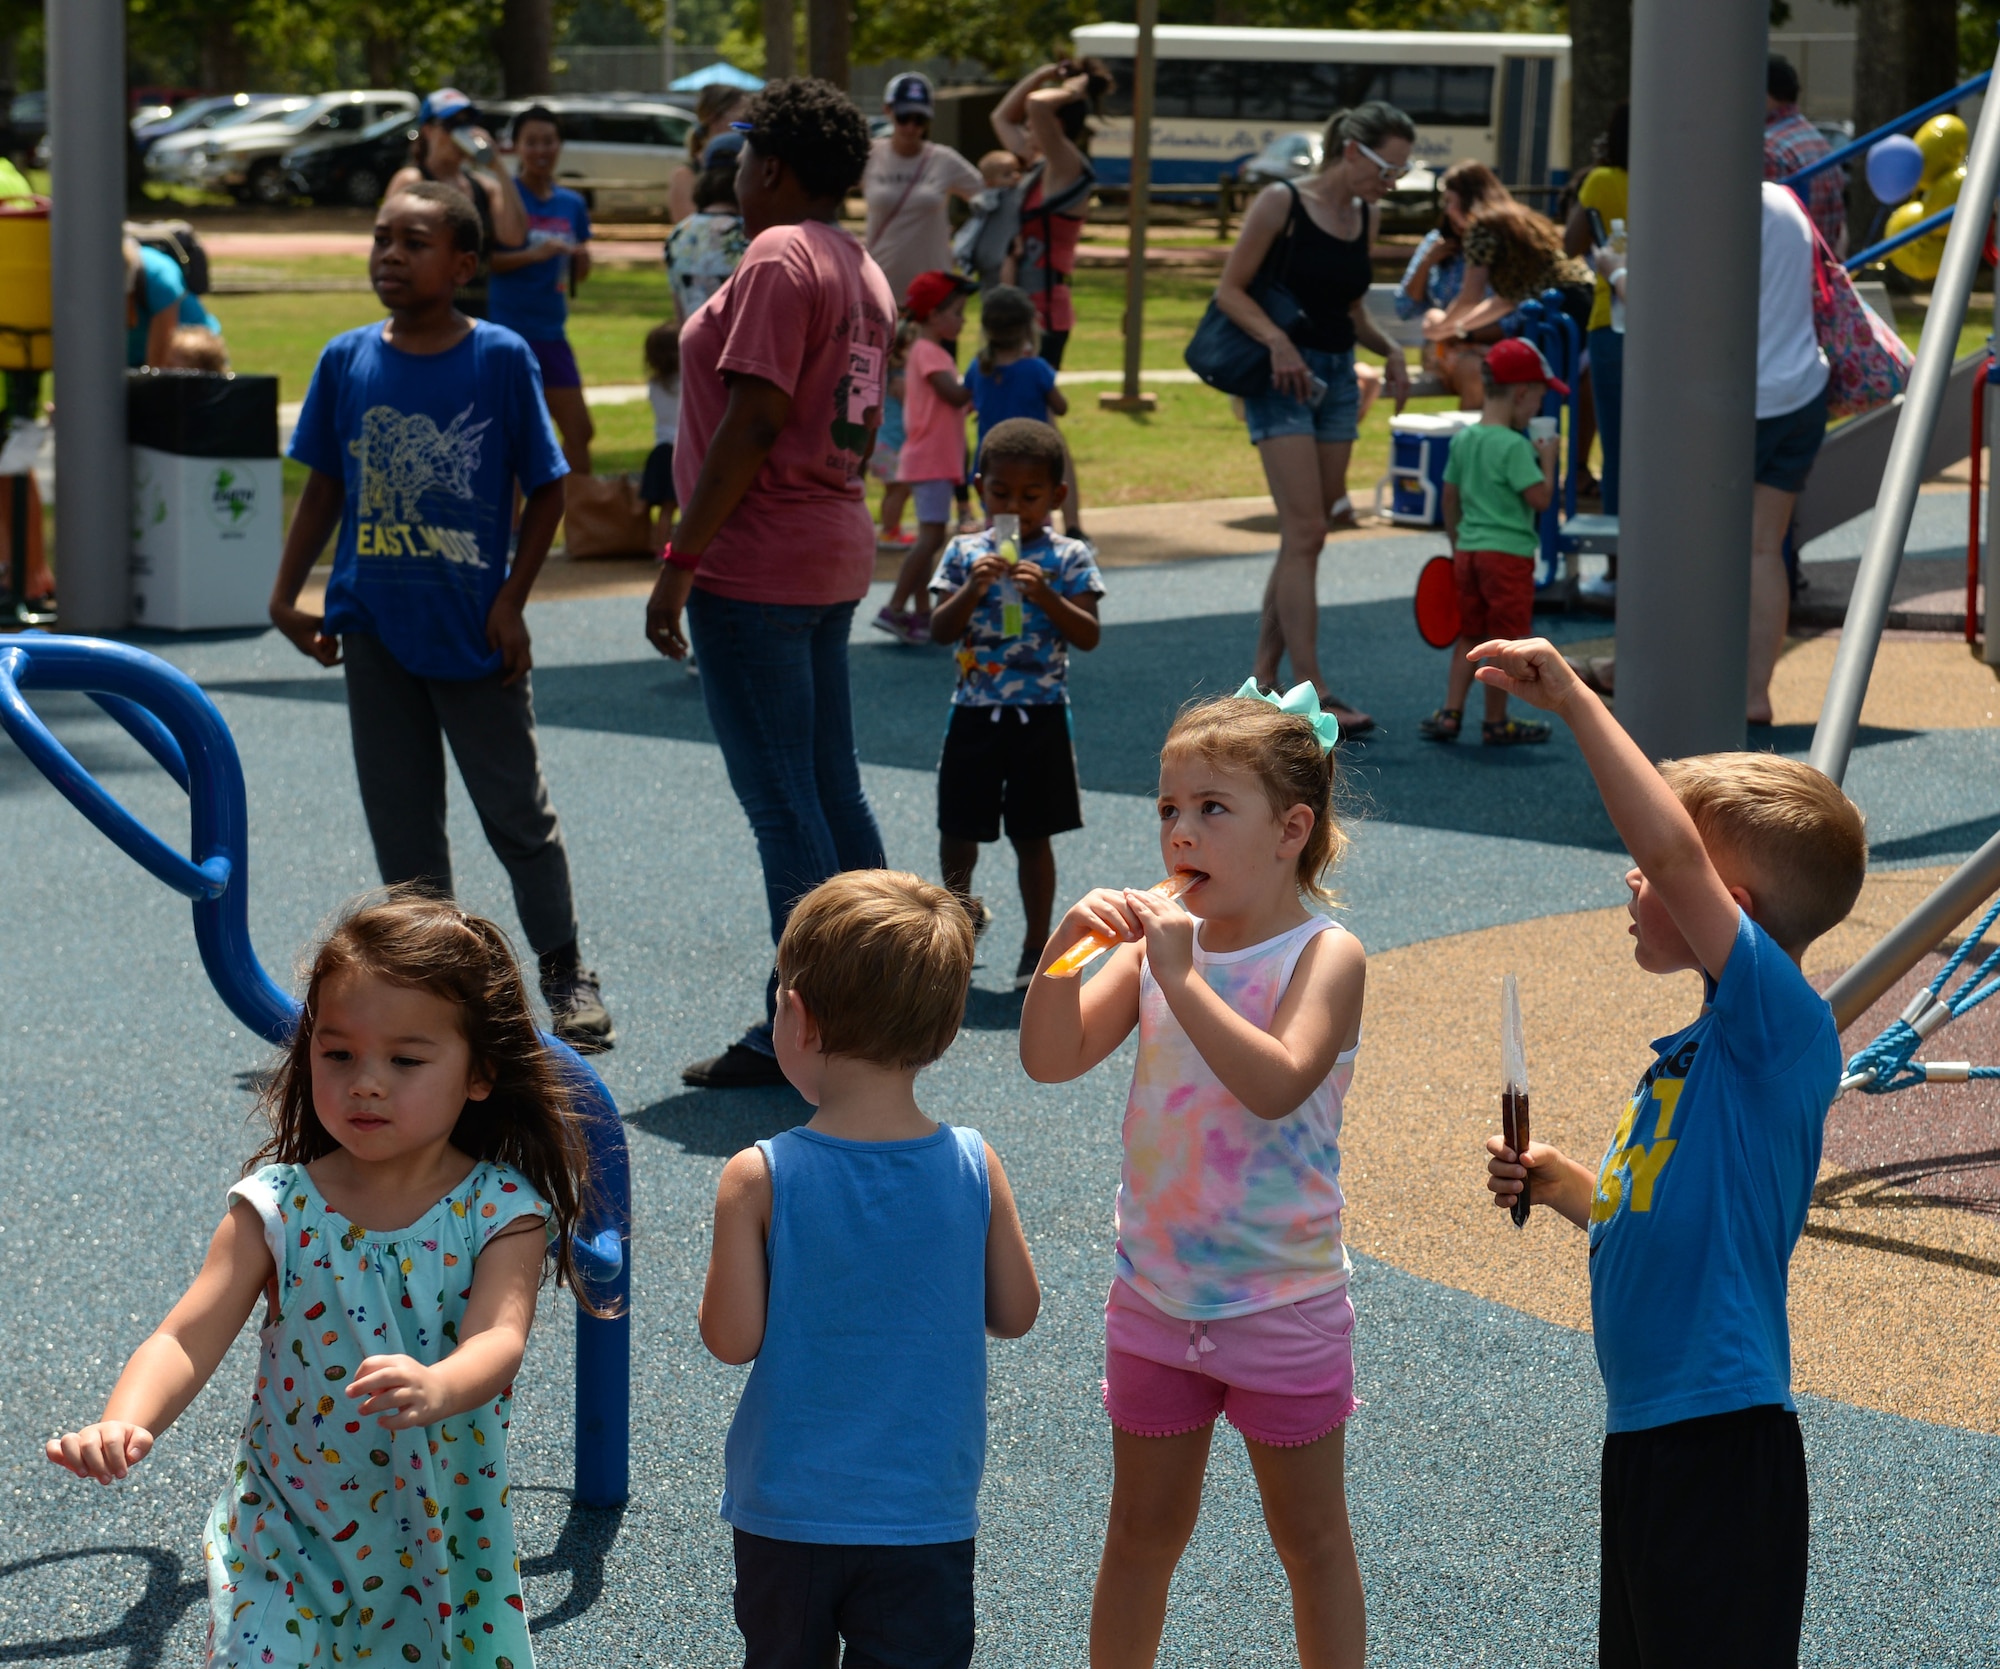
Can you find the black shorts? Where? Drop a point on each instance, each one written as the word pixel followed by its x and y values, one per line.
pixel 796 1602
pixel 1053 343
pixel 656 486
pixel 1704 1543
pixel 1788 443
pixel 1014 763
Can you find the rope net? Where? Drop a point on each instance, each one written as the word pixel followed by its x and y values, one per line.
pixel 1887 1064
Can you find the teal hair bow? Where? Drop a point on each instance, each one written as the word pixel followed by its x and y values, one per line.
pixel 1303 701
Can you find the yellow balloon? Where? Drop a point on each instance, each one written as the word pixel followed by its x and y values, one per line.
pixel 1943 191
pixel 1919 259
pixel 1944 142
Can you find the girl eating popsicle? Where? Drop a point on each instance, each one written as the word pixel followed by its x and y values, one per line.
pixel 1230 1294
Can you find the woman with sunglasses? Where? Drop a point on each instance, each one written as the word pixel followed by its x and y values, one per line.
pixel 909 184
pixel 1321 229
pixel 452 149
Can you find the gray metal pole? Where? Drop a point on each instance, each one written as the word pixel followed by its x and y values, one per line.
pixel 1875 583
pixel 86 58
pixel 1690 373
pixel 1910 940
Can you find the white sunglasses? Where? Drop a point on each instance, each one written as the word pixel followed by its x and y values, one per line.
pixel 1391 171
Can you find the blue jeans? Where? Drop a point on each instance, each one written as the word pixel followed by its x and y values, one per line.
pixel 774 677
pixel 1607 383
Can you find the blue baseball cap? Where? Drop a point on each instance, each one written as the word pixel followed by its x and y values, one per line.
pixel 721 148
pixel 909 95
pixel 443 105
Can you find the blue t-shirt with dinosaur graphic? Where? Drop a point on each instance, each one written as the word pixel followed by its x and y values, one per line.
pixel 428 448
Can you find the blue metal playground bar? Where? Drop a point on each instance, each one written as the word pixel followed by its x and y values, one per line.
pixel 168 714
pixel 1855 147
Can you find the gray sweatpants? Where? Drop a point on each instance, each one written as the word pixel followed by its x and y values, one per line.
pixel 400 723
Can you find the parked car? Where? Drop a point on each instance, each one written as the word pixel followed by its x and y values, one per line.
pixel 344 169
pixel 196 115
pixel 619 152
pixel 28 116
pixel 246 157
pixel 1290 156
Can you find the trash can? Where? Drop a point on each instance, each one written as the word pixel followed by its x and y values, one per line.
pixel 207 498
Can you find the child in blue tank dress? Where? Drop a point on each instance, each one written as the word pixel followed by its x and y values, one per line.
pixel 366 1515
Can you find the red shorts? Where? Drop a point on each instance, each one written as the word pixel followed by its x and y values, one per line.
pixel 1496 594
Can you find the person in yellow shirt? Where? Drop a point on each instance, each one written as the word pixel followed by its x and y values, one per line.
pixel 1600 200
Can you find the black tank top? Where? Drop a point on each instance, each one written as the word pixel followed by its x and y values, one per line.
pixel 1326 275
pixel 471 299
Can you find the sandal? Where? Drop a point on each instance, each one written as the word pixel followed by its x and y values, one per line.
pixel 1353 722
pixel 1443 725
pixel 1340 516
pixel 1513 733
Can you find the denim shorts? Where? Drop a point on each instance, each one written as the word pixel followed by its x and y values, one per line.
pixel 1336 418
pixel 932 499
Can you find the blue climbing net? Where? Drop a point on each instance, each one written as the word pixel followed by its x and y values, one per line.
pixel 1886 1064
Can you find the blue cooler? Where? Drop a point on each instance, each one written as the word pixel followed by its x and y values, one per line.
pixel 1418 445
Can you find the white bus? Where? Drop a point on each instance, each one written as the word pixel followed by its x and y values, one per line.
pixel 1221 95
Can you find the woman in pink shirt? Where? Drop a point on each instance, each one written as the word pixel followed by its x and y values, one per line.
pixel 781 394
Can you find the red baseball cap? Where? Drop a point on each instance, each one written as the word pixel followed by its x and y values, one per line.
pixel 1516 361
pixel 929 291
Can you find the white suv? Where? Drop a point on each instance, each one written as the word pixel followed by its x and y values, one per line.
pixel 245 157
pixel 619 153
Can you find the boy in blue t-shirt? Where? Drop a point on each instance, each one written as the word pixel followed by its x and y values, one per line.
pixel 416 431
pixel 527 287
pixel 1741 861
pixel 1014 615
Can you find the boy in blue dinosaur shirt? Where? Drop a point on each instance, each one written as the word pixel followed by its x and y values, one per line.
pixel 414 433
pixel 1008 752
pixel 1741 861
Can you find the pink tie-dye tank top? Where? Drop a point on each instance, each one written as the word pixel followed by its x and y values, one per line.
pixel 1220 1212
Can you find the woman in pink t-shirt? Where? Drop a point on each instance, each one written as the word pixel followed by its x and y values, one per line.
pixel 781 394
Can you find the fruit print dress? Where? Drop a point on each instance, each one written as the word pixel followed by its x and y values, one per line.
pixel 338 1542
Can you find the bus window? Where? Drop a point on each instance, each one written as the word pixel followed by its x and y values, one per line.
pixel 1214 89
pixel 1465 95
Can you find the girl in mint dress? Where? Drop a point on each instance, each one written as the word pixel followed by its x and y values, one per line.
pixel 366 1516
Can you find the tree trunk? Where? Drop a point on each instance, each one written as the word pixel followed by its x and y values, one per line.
pixel 527 38
pixel 384 57
pixel 1905 51
pixel 1600 66
pixel 223 58
pixel 828 24
pixel 780 54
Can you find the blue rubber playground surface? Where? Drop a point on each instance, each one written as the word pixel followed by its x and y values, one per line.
pixel 125 1096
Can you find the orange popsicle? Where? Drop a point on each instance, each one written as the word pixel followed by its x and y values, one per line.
pixel 1093 945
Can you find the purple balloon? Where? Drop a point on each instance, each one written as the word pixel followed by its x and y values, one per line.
pixel 1895 168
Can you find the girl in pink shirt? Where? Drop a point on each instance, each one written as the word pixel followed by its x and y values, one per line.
pixel 932 462
pixel 1230 1295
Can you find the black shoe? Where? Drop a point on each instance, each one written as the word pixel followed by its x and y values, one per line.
pixel 577 1013
pixel 737 1067
pixel 981 913
pixel 1031 959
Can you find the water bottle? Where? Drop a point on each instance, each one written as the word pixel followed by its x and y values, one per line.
pixel 1007 540
pixel 477 147
pixel 1616 244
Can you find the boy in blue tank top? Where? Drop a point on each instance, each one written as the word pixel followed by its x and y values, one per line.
pixel 1741 861
pixel 860 1261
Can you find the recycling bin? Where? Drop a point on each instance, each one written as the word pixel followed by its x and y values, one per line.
pixel 207 498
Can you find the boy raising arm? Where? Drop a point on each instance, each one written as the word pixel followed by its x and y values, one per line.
pixel 1741 860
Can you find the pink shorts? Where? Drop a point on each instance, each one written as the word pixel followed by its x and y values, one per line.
pixel 1283 1377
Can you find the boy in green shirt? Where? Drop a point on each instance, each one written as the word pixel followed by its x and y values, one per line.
pixel 1496 482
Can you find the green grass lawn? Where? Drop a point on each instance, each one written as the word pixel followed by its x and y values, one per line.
pixel 1191 447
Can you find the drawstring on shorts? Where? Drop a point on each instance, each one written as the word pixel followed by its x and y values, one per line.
pixel 1199 1343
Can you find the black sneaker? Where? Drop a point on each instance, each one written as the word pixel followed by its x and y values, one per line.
pixel 1024 975
pixel 737 1067
pixel 577 1013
